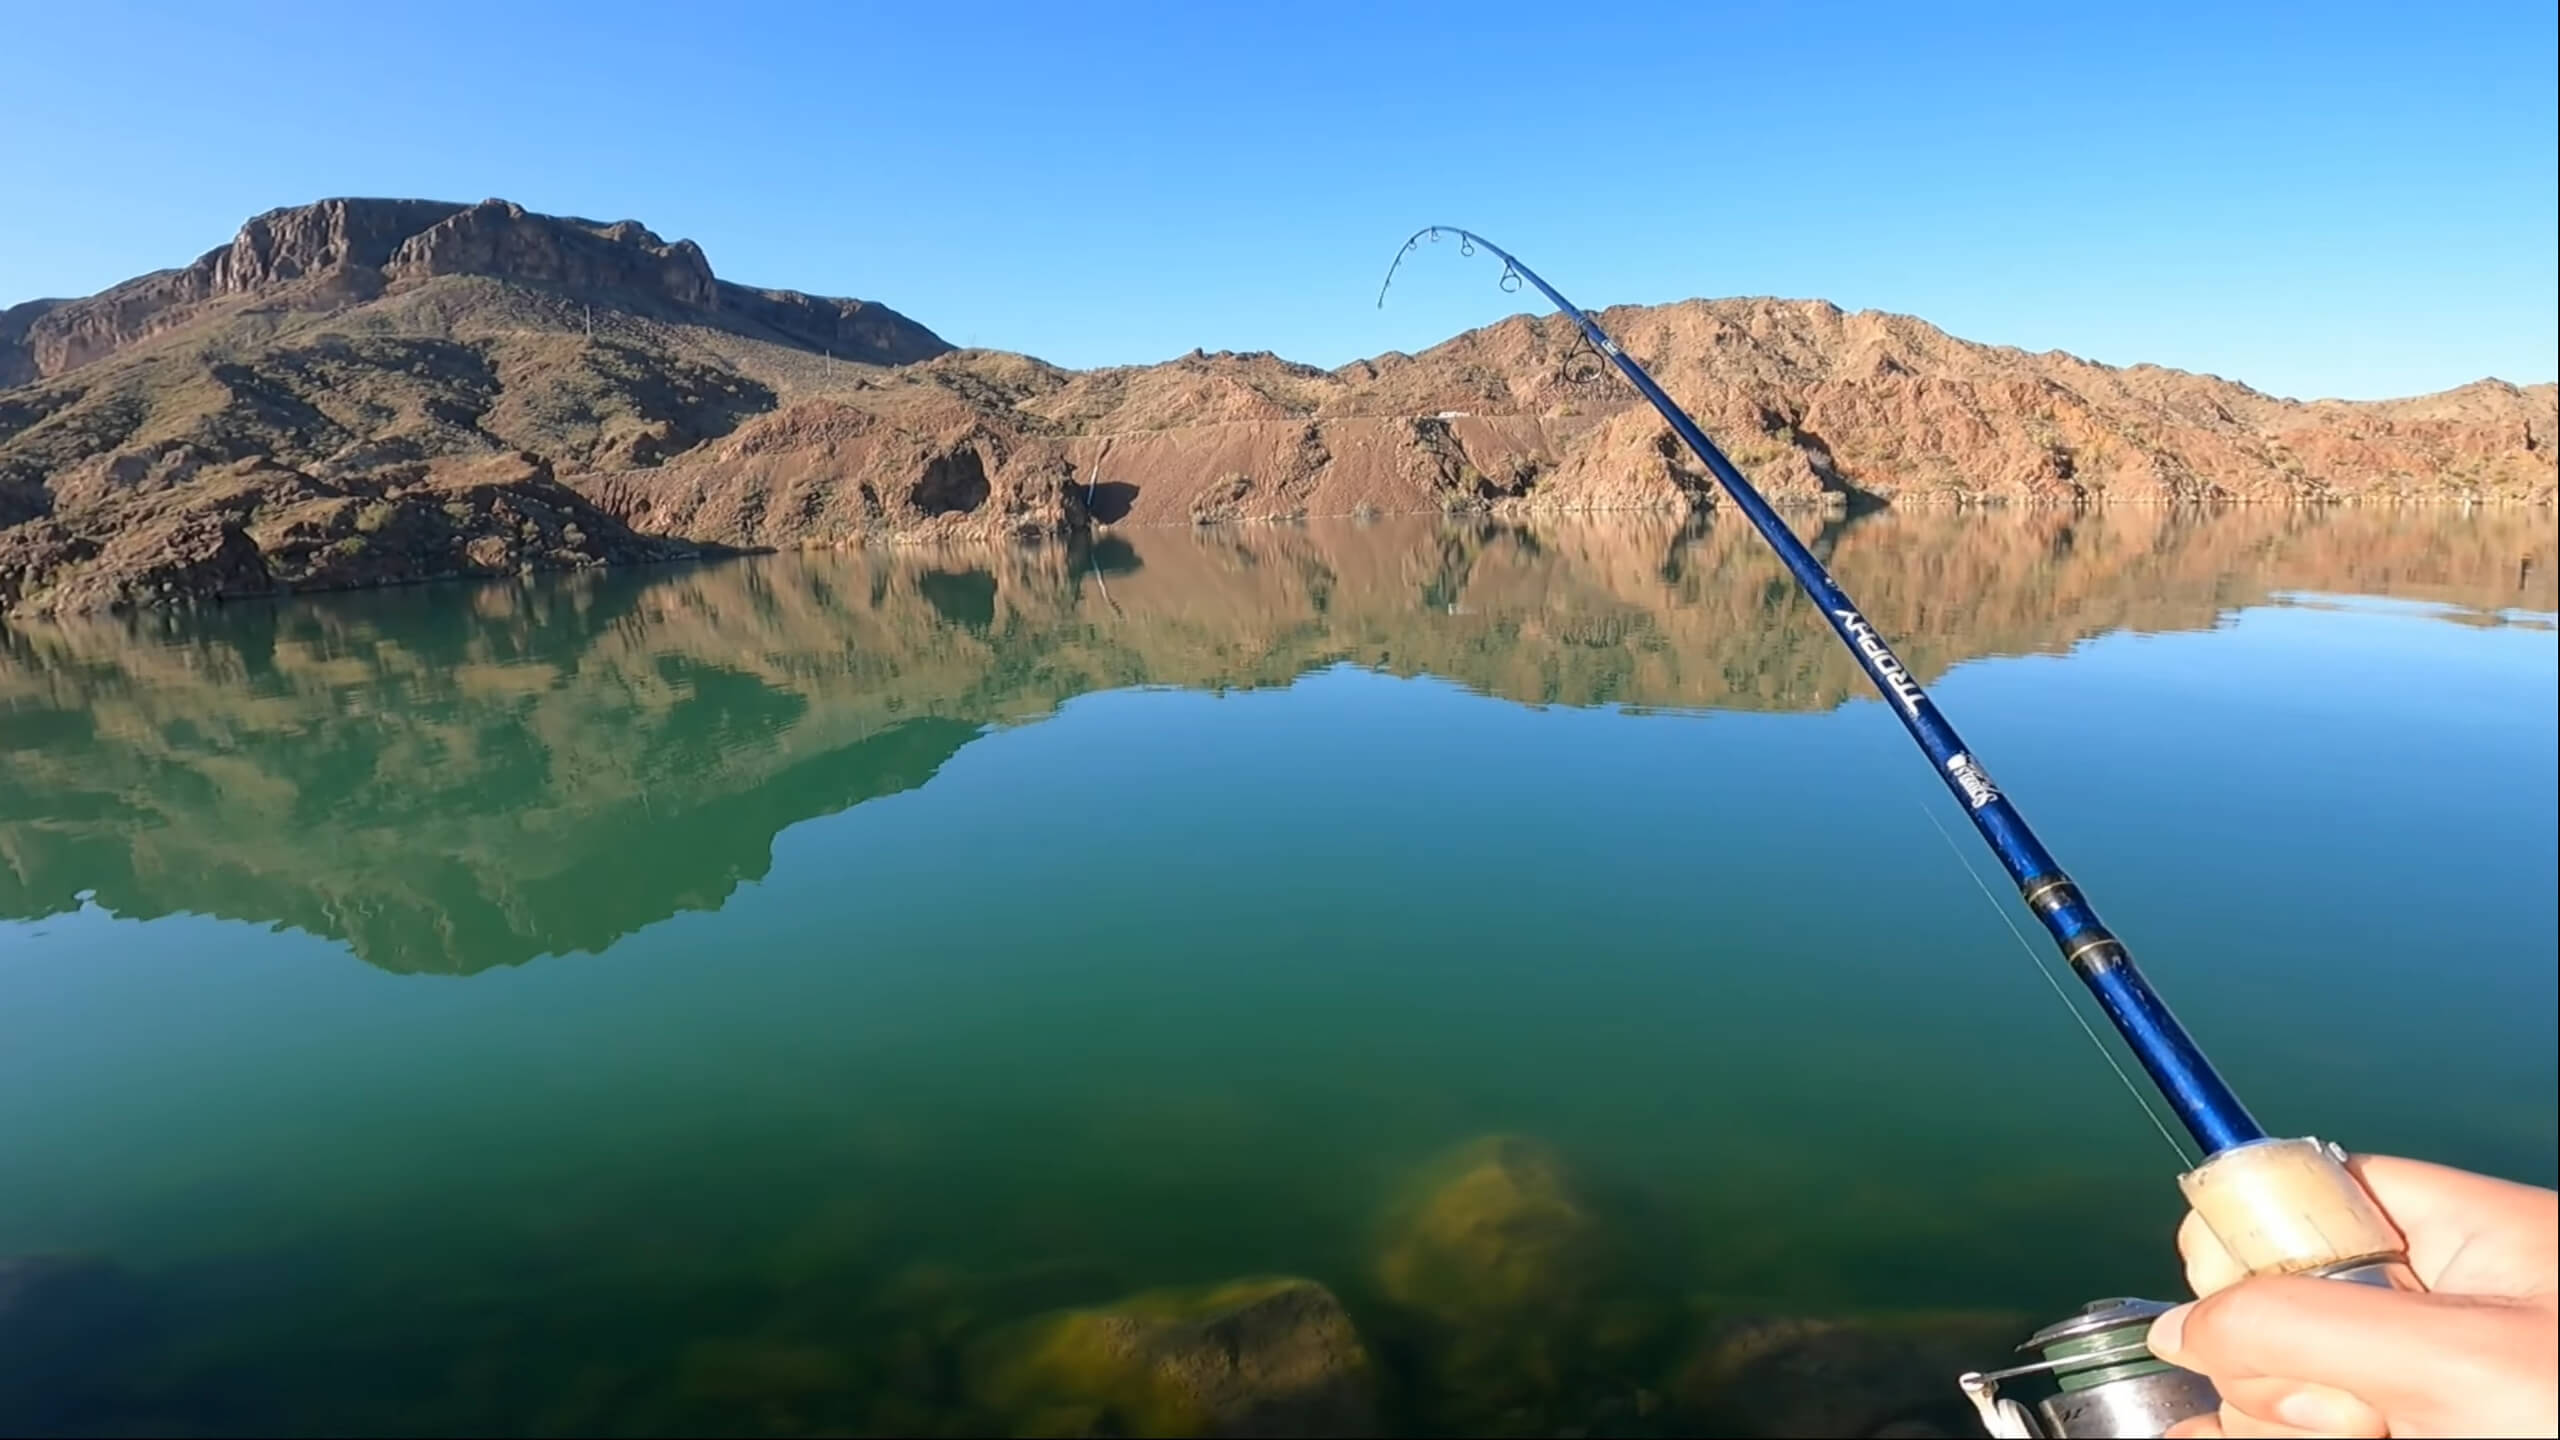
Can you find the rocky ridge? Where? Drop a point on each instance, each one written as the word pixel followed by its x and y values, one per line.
pixel 351 341
pixel 338 252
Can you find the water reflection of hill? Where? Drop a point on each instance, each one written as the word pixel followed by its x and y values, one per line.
pixel 448 779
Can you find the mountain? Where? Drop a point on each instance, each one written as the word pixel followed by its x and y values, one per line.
pixel 205 432
pixel 569 762
pixel 337 254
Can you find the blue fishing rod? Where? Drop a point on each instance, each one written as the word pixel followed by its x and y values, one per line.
pixel 2278 1206
pixel 2195 1093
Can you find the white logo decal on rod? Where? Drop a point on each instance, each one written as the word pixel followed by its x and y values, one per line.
pixel 1871 645
pixel 1977 787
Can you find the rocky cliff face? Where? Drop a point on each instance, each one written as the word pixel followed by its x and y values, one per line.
pixel 337 252
pixel 340 241
pixel 17 365
pixel 335 340
pixel 257 529
pixel 497 238
pixel 822 472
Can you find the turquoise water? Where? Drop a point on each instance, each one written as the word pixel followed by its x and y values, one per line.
pixel 727 997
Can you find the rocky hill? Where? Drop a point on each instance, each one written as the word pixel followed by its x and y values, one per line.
pixel 372 351
pixel 320 258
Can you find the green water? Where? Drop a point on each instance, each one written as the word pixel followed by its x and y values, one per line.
pixel 727 998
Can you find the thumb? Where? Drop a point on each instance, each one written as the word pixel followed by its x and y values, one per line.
pixel 2413 1357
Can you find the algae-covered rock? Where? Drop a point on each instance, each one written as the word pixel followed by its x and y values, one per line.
pixel 1255 1357
pixel 1492 1231
pixel 1513 1296
pixel 1873 1376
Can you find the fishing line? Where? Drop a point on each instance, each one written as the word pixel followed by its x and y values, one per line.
pixel 1510 282
pixel 1093 560
pixel 2186 1080
pixel 2054 983
pixel 2329 1225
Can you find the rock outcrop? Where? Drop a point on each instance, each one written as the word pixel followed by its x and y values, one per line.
pixel 823 472
pixel 17 363
pixel 176 535
pixel 334 248
pixel 496 238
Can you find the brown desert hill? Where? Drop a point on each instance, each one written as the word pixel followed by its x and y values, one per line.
pixel 440 788
pixel 358 344
pixel 319 257
pixel 1819 406
pixel 364 348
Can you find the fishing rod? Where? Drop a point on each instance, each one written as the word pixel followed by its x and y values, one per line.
pixel 2279 1206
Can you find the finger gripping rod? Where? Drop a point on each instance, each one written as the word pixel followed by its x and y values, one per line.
pixel 2292 1203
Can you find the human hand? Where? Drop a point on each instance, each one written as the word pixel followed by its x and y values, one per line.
pixel 2477 1355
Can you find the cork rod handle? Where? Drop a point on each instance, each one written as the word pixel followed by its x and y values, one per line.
pixel 2291 1207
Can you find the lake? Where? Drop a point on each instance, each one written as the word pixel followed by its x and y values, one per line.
pixel 812 994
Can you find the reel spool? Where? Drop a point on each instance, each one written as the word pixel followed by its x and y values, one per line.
pixel 2103 1380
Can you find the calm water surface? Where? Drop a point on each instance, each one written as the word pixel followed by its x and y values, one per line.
pixel 731 997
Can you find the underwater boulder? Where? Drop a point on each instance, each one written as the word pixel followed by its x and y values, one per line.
pixel 1512 1294
pixel 1874 1377
pixel 1273 1356
pixel 1491 1232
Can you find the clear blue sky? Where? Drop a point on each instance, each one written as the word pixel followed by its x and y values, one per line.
pixel 2348 199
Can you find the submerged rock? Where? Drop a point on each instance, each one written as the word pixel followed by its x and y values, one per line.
pixel 1522 1310
pixel 1255 1357
pixel 1866 1377
pixel 1492 1231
